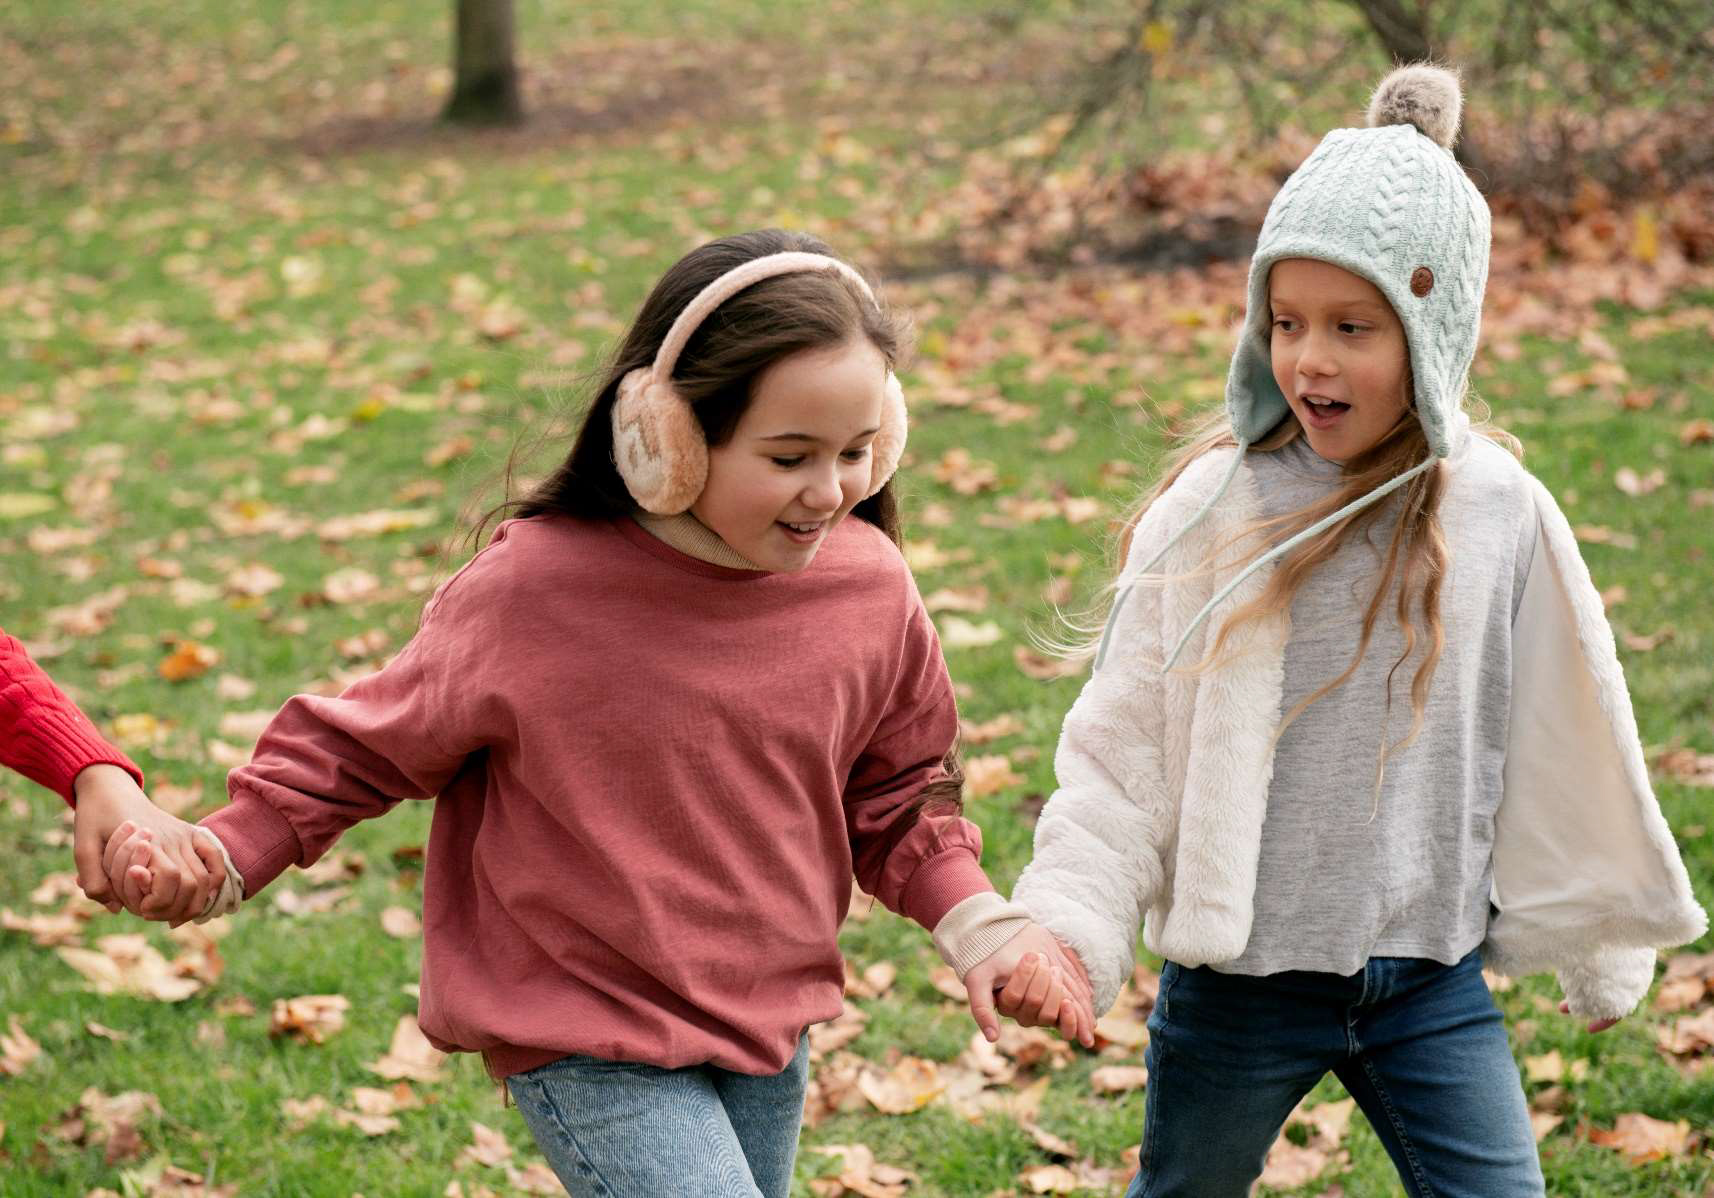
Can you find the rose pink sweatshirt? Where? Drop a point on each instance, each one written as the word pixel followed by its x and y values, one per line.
pixel 656 777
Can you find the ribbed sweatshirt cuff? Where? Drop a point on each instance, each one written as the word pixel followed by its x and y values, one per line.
pixel 62 747
pixel 258 839
pixel 941 883
pixel 976 928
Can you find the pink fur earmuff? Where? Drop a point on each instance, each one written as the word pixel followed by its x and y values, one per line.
pixel 657 444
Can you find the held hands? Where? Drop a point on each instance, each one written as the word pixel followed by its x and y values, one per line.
pixel 130 853
pixel 1037 981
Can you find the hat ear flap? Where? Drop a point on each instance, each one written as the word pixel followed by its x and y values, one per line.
pixel 658 447
pixel 889 443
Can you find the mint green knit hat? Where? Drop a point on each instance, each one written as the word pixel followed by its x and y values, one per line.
pixel 1390 204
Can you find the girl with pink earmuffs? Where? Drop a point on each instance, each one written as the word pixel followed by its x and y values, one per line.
pixel 680 697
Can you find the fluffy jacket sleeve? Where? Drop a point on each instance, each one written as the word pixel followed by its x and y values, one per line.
pixel 1098 845
pixel 1587 878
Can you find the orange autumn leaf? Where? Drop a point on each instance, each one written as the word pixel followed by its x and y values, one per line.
pixel 1642 1138
pixel 188 660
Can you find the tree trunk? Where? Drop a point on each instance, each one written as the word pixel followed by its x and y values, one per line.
pixel 1404 33
pixel 485 88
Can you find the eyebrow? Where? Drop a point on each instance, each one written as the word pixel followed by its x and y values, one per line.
pixel 817 440
pixel 1363 305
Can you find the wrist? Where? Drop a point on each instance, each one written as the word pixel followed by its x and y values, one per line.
pixel 101 781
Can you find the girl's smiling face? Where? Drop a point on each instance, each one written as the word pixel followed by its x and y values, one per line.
pixel 799 459
pixel 1339 355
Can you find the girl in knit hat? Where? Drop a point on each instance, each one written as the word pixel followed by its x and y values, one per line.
pixel 1356 722
pixel 668 711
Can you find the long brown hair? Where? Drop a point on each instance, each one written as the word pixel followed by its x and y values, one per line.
pixel 1416 557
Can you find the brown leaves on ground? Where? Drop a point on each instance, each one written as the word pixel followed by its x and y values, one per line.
pixel 51 928
pixel 109 1122
pixel 1643 1139
pixel 309 1018
pixel 1686 766
pixel 1689 979
pixel 489 1148
pixel 17 1050
pixel 1116 1079
pixel 1687 990
pixel 188 660
pixel 371 1111
pixel 410 1055
pixel 1290 1163
pixel 860 1174
pixel 989 774
pixel 401 923
pixel 129 964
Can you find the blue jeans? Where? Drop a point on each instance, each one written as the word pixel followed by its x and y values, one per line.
pixel 616 1129
pixel 1418 1044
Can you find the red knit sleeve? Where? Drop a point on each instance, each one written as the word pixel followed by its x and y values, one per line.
pixel 918 862
pixel 42 733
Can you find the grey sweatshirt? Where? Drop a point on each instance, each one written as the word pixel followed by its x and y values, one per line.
pixel 1343 877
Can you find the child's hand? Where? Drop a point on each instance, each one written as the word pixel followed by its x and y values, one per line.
pixel 1595 1025
pixel 1055 994
pixel 109 807
pixel 152 881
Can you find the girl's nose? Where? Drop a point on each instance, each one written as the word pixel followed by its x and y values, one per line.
pixel 1316 358
pixel 822 493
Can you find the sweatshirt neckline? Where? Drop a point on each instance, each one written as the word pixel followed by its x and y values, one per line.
pixel 643 539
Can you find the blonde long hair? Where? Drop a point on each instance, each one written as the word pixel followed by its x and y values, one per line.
pixel 1416 557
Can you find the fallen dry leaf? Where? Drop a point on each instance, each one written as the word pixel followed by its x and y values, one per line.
pixel 1116 1079
pixel 1049 1179
pixel 860 1174
pixel 1642 1139
pixel 1043 668
pixel 837 1033
pixel 129 964
pixel 188 660
pixel 956 633
pixel 964 474
pixel 350 585
pixel 989 775
pixel 17 1050
pixel 1687 766
pixel 410 1055
pixel 310 1018
pixel 490 1148
pixel 1634 484
pixel 401 923
pixel 911 1084
pixel 994 729
pixel 534 1178
pixel 1688 1035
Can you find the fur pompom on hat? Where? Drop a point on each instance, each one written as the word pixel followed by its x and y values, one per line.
pixel 1422 95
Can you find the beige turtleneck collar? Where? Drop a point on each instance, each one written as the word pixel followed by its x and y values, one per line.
pixel 691 537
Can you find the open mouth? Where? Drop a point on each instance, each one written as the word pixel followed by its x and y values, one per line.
pixel 1323 412
pixel 805 532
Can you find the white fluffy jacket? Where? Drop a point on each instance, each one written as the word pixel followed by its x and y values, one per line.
pixel 1163 779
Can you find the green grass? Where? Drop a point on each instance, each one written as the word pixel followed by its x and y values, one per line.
pixel 197 301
